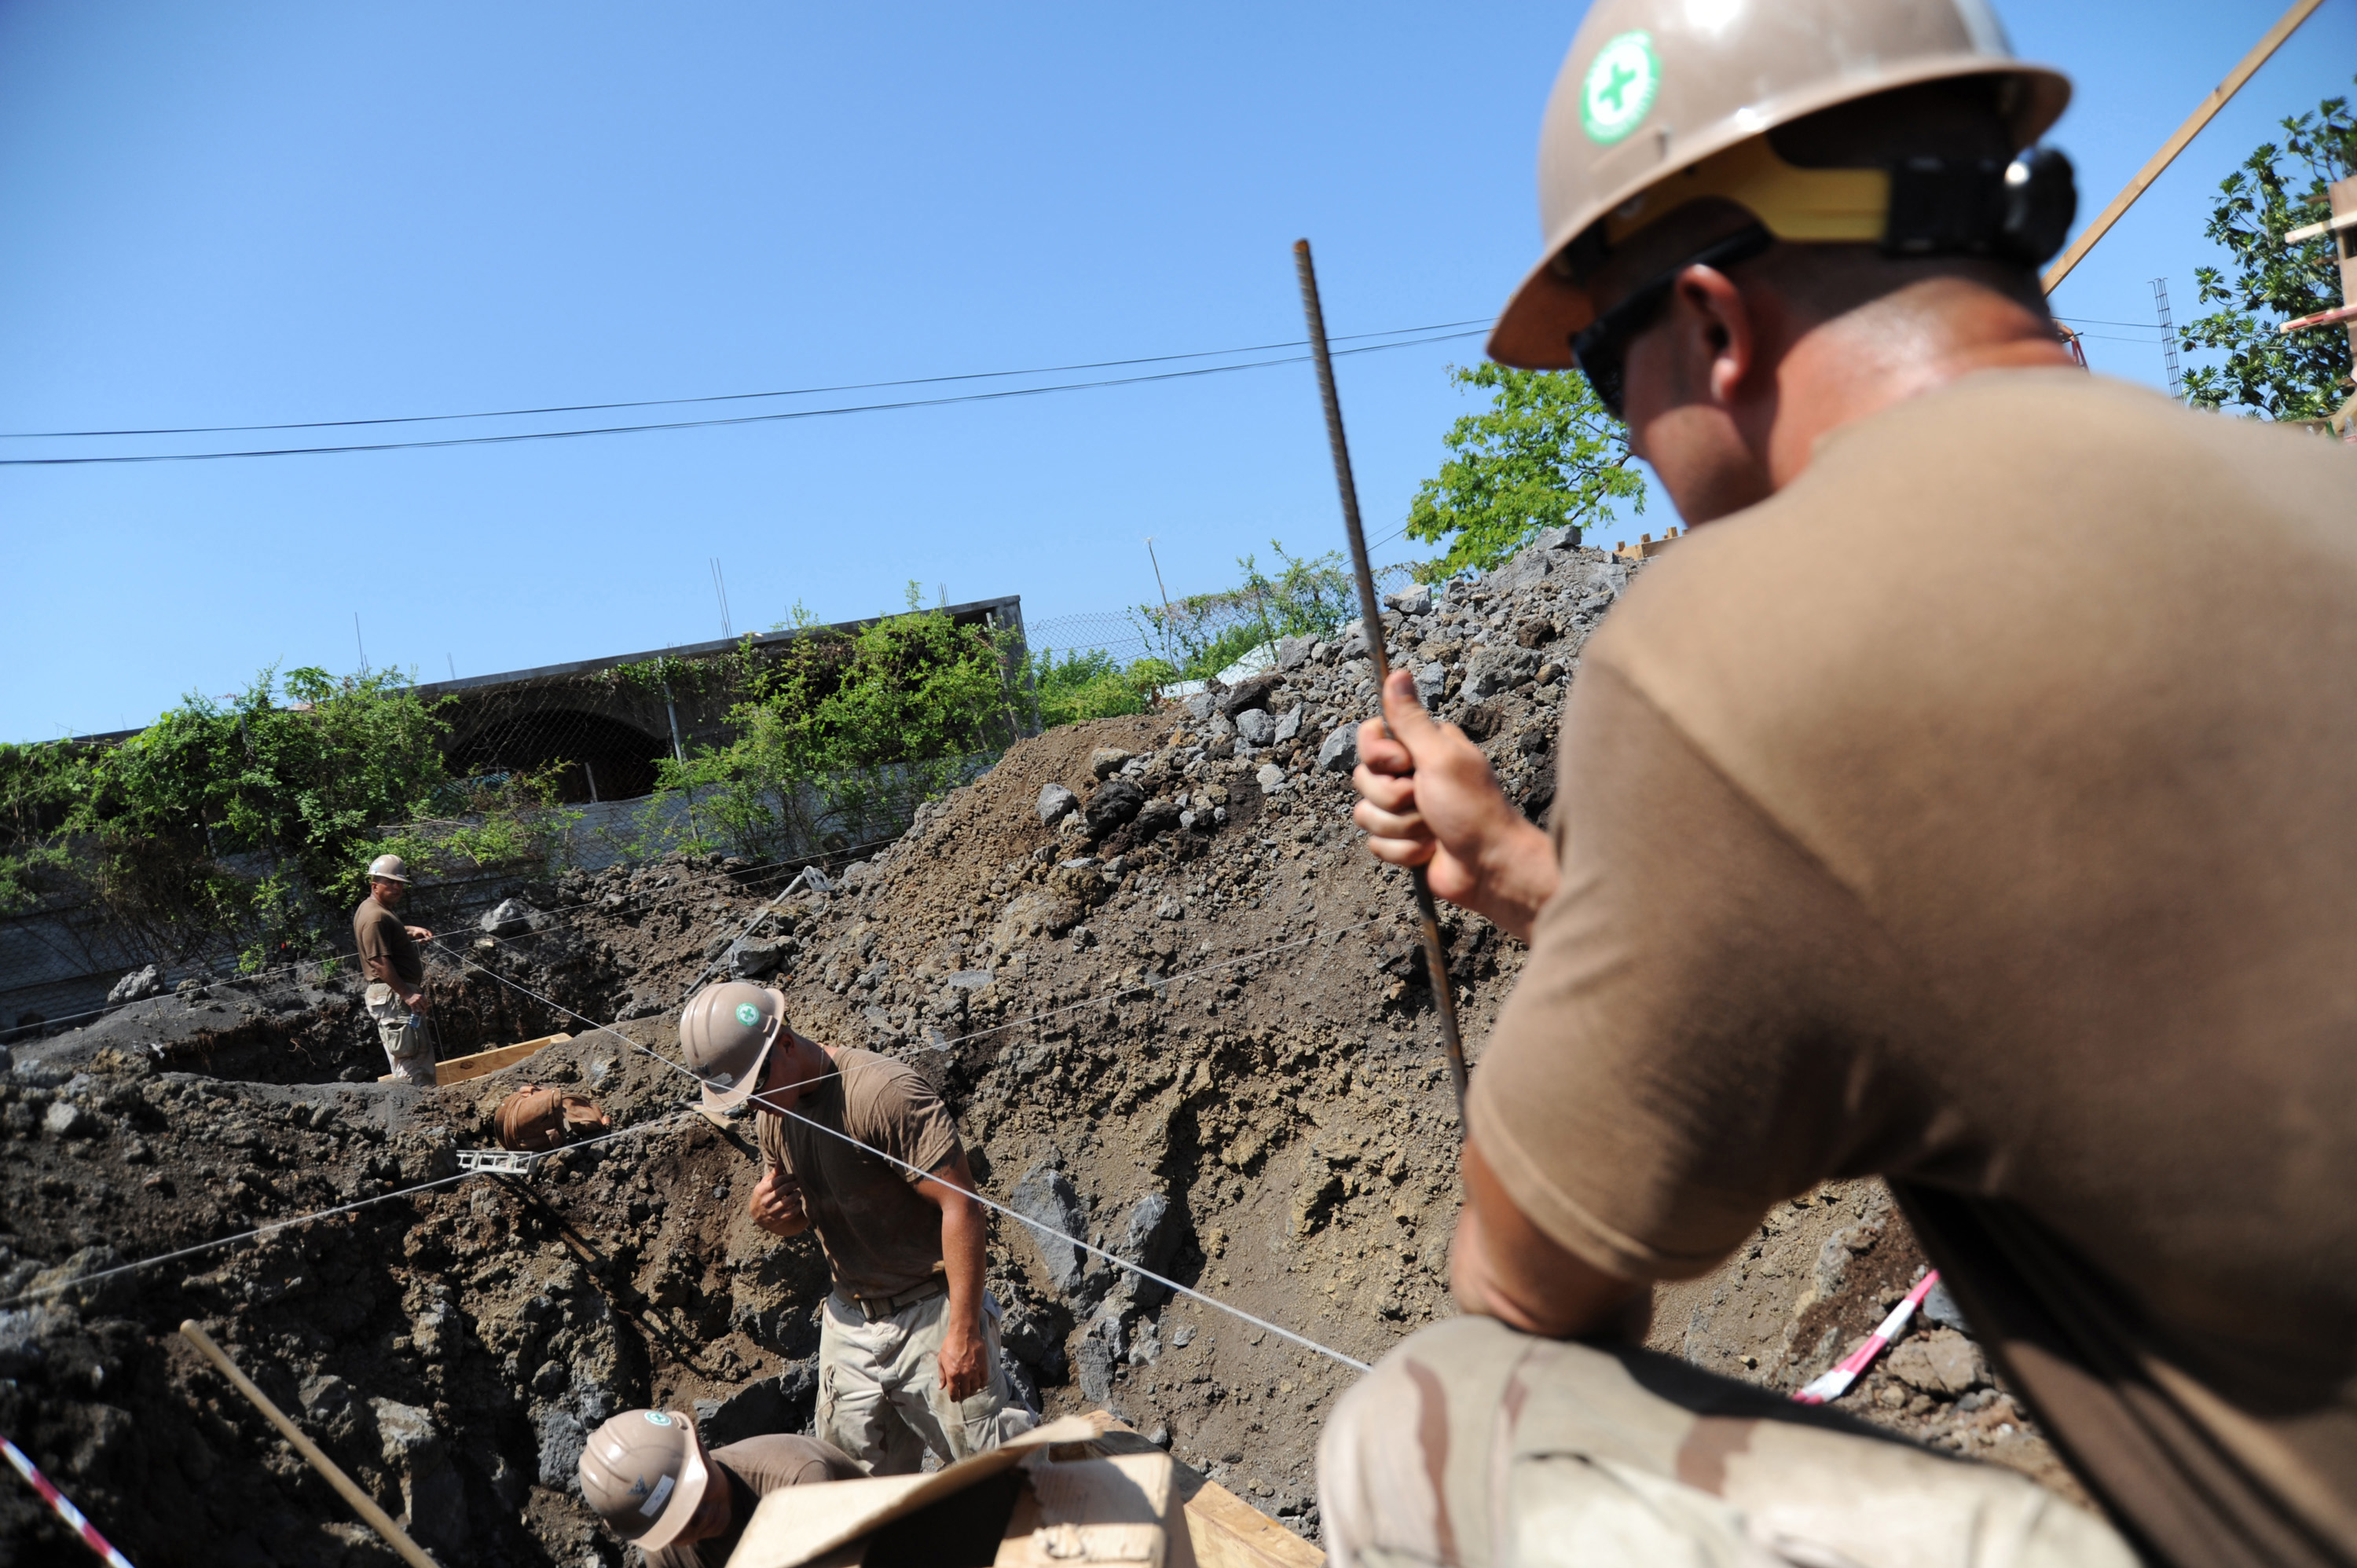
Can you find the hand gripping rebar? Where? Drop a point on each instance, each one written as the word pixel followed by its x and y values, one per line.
pixel 1371 619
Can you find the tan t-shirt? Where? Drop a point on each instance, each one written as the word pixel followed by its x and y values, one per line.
pixel 753 1469
pixel 380 937
pixel 880 1237
pixel 1982 810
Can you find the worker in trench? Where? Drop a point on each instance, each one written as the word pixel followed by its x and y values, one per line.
pixel 908 1356
pixel 649 1476
pixel 1968 799
pixel 396 999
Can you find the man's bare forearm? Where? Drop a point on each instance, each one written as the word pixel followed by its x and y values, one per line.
pixel 963 1225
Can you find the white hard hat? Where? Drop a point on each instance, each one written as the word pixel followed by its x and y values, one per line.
pixel 388 868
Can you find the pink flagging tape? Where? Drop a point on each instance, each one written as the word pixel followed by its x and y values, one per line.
pixel 1835 1383
pixel 63 1507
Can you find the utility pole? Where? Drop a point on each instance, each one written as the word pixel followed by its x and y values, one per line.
pixel 2168 338
pixel 1168 617
pixel 720 592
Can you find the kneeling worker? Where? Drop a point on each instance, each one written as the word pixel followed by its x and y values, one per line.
pixel 908 1355
pixel 649 1476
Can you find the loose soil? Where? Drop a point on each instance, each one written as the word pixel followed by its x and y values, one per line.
pixel 1215 1004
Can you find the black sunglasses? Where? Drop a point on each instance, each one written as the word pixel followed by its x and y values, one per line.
pixel 1601 347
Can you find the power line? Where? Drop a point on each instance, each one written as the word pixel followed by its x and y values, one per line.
pixel 722 397
pixel 708 424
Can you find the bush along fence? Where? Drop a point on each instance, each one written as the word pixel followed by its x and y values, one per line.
pixel 233 836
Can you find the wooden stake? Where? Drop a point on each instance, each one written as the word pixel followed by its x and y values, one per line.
pixel 363 1504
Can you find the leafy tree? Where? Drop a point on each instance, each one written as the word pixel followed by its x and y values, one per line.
pixel 841 738
pixel 2303 375
pixel 1545 453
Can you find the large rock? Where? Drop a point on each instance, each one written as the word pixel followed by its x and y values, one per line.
pixel 1414 600
pixel 1102 1349
pixel 1431 682
pixel 750 960
pixel 1106 760
pixel 511 918
pixel 1288 725
pixel 1340 752
pixel 1942 1362
pixel 136 986
pixel 1045 1196
pixel 1250 694
pixel 1026 916
pixel 1255 728
pixel 783 1403
pixel 1293 652
pixel 561 1439
pixel 1157 816
pixel 1055 802
pixel 1149 1238
pixel 1111 804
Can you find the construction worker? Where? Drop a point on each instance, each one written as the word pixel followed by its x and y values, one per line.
pixel 859 1147
pixel 397 998
pixel 1970 798
pixel 649 1476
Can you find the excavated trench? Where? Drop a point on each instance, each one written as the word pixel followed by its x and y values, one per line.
pixel 1184 1020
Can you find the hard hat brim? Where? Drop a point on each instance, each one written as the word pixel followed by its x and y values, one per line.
pixel 745 1087
pixel 687 1493
pixel 1546 309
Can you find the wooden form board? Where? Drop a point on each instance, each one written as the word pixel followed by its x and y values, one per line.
pixel 1224 1531
pixel 1090 1511
pixel 459 1069
pixel 821 1525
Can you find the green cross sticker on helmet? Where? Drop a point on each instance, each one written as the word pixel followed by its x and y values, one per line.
pixel 749 1014
pixel 1620 85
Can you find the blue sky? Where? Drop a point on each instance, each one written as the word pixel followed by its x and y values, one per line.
pixel 250 213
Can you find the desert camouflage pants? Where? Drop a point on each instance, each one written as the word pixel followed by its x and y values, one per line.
pixel 406 1049
pixel 1473 1445
pixel 880 1389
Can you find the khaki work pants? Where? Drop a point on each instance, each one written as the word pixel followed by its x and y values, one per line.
pixel 1473 1445
pixel 405 1045
pixel 879 1391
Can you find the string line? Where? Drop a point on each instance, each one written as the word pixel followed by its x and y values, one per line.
pixel 1045 1230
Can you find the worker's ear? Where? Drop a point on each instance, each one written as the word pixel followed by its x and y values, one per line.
pixel 1716 342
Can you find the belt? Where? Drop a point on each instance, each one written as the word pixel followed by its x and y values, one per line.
pixel 876 1307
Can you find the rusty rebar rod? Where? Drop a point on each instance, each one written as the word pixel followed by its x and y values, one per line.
pixel 1371 621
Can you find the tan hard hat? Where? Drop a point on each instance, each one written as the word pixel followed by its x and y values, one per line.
pixel 644 1473
pixel 1660 90
pixel 389 868
pixel 724 1032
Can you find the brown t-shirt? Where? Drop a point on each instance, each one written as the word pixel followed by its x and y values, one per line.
pixel 1981 810
pixel 753 1469
pixel 380 937
pixel 880 1237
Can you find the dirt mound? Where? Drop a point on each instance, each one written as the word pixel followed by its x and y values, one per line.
pixel 1177 1009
